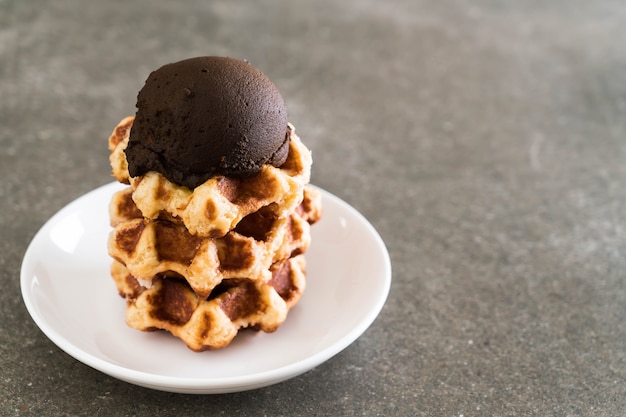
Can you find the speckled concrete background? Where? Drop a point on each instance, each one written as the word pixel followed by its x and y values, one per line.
pixel 485 140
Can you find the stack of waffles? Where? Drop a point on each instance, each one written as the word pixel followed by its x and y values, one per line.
pixel 205 263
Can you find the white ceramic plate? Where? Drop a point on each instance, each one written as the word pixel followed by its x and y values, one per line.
pixel 69 294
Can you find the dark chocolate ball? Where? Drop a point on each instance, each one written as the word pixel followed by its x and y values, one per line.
pixel 207 116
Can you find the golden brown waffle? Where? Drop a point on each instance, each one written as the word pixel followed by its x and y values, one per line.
pixel 117 144
pixel 212 322
pixel 122 206
pixel 152 247
pixel 205 263
pixel 215 207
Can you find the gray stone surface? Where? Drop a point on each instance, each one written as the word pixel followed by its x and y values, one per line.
pixel 485 140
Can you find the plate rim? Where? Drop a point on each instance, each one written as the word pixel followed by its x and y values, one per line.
pixel 206 385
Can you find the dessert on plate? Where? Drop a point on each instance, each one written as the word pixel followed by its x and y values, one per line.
pixel 210 235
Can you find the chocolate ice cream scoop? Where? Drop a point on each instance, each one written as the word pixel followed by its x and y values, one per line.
pixel 207 116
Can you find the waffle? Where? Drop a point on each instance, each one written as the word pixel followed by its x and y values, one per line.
pixel 212 322
pixel 205 263
pixel 118 140
pixel 215 207
pixel 148 248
